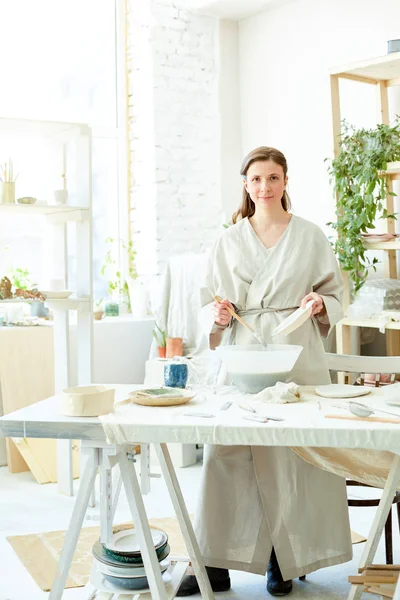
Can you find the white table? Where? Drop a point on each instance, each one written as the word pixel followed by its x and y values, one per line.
pixel 304 425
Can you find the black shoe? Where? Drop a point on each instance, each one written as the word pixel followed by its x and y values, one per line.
pixel 219 580
pixel 276 586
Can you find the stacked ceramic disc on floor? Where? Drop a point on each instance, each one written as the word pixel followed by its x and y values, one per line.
pixel 121 563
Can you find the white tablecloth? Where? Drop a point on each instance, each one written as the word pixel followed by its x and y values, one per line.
pixel 305 428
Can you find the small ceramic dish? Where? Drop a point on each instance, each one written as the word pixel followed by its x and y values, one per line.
pixel 341 390
pixel 87 401
pixel 50 295
pixel 126 542
pixel 167 396
pixel 295 320
pixel 26 200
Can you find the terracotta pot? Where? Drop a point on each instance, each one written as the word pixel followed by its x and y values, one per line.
pixel 161 351
pixel 174 347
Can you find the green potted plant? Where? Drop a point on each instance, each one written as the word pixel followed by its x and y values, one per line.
pixel 118 278
pixel 98 309
pixel 161 338
pixel 358 178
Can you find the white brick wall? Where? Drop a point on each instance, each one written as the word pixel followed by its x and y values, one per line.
pixel 174 132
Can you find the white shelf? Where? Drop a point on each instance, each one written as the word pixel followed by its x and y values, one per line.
pixel 395 245
pixel 28 127
pixel 394 171
pixel 59 212
pixel 226 9
pixel 375 323
pixel 383 68
pixel 55 304
pixel 393 168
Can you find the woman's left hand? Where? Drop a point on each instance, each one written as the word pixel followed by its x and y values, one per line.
pixel 318 308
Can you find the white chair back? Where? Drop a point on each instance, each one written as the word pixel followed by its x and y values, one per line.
pixel 378 365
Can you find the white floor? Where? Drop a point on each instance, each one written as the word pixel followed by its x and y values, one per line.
pixel 27 507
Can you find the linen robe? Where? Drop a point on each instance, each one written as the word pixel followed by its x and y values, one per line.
pixel 253 498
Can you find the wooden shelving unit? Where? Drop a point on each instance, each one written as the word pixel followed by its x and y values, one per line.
pixel 382 72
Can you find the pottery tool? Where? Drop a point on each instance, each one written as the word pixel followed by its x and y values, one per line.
pixel 365 419
pixel 243 322
pixel 245 406
pixel 257 418
pixel 249 408
pixel 362 410
pixel 226 405
pixel 199 414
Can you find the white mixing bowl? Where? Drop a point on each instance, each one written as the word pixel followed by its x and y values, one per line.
pixel 253 368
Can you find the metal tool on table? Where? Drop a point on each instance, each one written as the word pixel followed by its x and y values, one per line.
pixel 257 418
pixel 226 405
pixel 362 410
pixel 199 414
pixel 245 406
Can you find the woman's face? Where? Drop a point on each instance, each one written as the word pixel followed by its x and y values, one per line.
pixel 265 183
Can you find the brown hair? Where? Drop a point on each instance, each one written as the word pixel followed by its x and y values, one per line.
pixel 247 208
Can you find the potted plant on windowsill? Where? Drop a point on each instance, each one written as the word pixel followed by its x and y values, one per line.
pixel 98 309
pixel 161 338
pixel 119 252
pixel 359 180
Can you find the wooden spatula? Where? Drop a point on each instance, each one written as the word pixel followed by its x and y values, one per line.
pixel 236 316
pixel 365 419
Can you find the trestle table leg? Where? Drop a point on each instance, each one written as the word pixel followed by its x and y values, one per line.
pixel 184 520
pixel 72 535
pixel 139 517
pixel 145 468
pixel 378 524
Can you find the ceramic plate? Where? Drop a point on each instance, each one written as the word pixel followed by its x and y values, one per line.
pixel 113 585
pixel 340 390
pixel 162 396
pixel 295 320
pixel 127 571
pixel 127 541
pixel 56 295
pixel 107 557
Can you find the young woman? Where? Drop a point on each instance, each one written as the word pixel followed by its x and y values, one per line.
pixel 264 507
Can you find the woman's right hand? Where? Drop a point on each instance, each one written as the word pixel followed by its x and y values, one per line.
pixel 221 315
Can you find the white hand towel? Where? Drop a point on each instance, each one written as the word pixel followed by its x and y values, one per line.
pixel 280 393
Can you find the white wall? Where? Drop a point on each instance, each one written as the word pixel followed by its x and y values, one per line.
pixel 229 114
pixel 285 57
pixel 175 131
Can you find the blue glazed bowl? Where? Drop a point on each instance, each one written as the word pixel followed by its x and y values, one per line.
pixel 175 375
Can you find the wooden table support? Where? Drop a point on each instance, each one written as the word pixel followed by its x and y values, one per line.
pixel 103 458
pixel 378 524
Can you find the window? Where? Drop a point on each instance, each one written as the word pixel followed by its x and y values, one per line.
pixel 61 64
